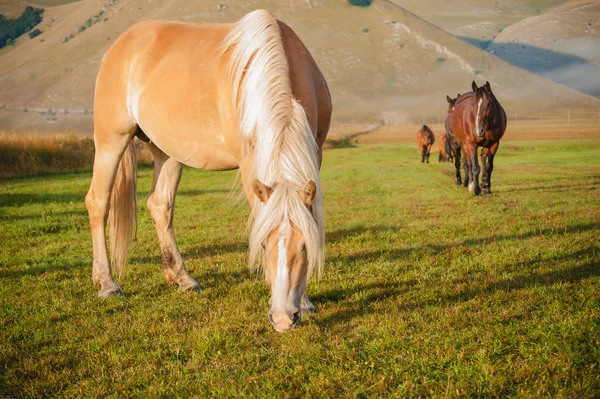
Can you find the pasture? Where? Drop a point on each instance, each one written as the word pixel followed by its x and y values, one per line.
pixel 427 290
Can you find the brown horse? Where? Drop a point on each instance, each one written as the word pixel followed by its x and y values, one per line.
pixel 478 120
pixel 246 95
pixel 444 154
pixel 453 145
pixel 425 139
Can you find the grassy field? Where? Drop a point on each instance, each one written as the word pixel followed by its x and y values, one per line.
pixel 428 291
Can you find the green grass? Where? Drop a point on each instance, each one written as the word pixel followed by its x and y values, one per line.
pixel 428 291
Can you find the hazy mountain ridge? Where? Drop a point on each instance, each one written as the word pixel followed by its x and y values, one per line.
pixel 562 44
pixel 381 62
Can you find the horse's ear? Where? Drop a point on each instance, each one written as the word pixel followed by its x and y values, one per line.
pixel 262 191
pixel 448 98
pixel 457 95
pixel 488 88
pixel 308 192
pixel 474 87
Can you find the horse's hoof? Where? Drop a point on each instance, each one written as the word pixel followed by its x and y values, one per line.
pixel 307 307
pixel 458 183
pixel 112 290
pixel 189 286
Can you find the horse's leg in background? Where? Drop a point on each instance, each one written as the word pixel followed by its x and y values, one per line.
pixel 457 178
pixel 440 157
pixel 428 152
pixel 487 159
pixel 161 203
pixel 423 153
pixel 109 151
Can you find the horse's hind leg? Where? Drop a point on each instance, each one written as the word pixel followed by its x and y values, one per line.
pixel 466 166
pixel 457 178
pixel 161 203
pixel 109 150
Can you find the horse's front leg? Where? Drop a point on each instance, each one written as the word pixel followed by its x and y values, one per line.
pixel 487 159
pixel 428 152
pixel 474 170
pixel 161 203
pixel 423 153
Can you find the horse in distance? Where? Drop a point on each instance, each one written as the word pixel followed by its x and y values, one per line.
pixel 245 95
pixel 453 146
pixel 425 140
pixel 445 155
pixel 478 120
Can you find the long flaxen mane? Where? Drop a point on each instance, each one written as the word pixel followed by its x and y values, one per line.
pixel 275 131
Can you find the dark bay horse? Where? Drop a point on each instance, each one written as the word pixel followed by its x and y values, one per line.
pixel 453 147
pixel 425 139
pixel 478 120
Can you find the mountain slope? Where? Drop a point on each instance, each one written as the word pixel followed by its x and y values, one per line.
pixel 380 62
pixel 562 44
pixel 476 19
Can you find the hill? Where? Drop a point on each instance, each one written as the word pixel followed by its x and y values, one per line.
pixel 480 20
pixel 381 62
pixel 562 44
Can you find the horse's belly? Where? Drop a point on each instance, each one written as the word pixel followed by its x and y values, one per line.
pixel 196 153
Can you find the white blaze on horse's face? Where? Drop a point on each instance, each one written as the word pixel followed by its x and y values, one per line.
pixel 286 264
pixel 479 132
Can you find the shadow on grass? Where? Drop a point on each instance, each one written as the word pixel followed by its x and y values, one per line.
pixel 6 273
pixel 558 188
pixel 341 235
pixel 370 294
pixel 197 253
pixel 28 199
pixel 53 215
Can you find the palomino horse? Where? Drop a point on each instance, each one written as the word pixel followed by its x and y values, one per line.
pixel 218 97
pixel 453 146
pixel 478 120
pixel 425 139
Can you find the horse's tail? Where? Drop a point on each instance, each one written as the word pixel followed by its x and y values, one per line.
pixel 123 209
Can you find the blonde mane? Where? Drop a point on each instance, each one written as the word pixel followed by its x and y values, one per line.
pixel 275 131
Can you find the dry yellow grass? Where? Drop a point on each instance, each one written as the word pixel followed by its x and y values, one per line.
pixel 27 154
pixel 33 153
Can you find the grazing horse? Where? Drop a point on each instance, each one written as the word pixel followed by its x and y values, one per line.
pixel 453 145
pixel 246 95
pixel 478 120
pixel 425 139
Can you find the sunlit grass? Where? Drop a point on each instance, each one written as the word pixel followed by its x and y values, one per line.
pixel 427 291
